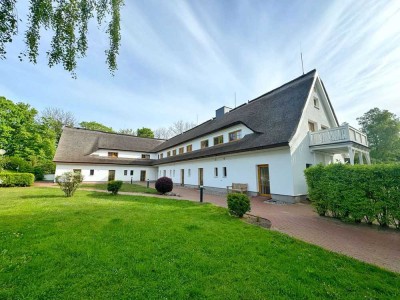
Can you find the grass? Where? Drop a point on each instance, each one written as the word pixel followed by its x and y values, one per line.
pixel 126 187
pixel 99 246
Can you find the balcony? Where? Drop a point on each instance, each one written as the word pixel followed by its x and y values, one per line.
pixel 338 135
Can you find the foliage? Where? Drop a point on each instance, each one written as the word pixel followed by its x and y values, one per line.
pixel 238 204
pixel 127 131
pixel 55 119
pixel 68 21
pixel 383 130
pixel 164 185
pixel 95 126
pixel 145 132
pixel 69 182
pixel 19 164
pixel 21 135
pixel 176 128
pixel 114 186
pixel 169 249
pixel 8 179
pixel 356 193
pixel 126 187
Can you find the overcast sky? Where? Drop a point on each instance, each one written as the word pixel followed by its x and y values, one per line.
pixel 184 59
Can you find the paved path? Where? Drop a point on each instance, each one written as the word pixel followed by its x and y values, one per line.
pixel 380 247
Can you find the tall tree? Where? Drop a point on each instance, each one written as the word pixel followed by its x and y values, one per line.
pixel 92 125
pixel 145 132
pixel 68 20
pixel 21 135
pixel 56 119
pixel 162 133
pixel 383 131
pixel 127 131
pixel 180 126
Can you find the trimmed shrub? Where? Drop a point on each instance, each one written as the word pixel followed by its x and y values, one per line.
pixel 114 186
pixel 69 182
pixel 8 179
pixel 164 185
pixel 369 193
pixel 38 172
pixel 238 204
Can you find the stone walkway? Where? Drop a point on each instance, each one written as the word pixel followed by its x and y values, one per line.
pixel 370 244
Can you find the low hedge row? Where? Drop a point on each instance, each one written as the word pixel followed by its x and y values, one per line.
pixel 8 179
pixel 369 193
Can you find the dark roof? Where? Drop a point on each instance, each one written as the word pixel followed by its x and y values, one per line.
pixel 76 145
pixel 273 117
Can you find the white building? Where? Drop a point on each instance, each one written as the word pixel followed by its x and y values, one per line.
pixel 265 143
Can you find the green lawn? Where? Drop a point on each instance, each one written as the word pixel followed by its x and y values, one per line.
pixel 126 187
pixel 99 246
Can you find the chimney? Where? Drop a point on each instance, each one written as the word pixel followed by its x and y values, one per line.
pixel 221 111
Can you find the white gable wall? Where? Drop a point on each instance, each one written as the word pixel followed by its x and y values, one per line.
pixel 101 171
pixel 299 145
pixel 241 168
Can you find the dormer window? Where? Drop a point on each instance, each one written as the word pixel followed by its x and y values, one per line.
pixel 174 152
pixel 168 153
pixel 189 148
pixel 145 156
pixel 112 154
pixel 316 102
pixel 218 140
pixel 235 135
pixel 181 150
pixel 161 155
pixel 204 144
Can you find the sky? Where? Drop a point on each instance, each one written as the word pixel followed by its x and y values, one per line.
pixel 182 60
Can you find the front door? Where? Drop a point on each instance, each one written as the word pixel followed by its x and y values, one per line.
pixel 200 176
pixel 182 177
pixel 111 175
pixel 263 181
pixel 142 175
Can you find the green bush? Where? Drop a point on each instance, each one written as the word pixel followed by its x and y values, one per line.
pixel 114 186
pixel 8 179
pixel 238 204
pixel 38 172
pixel 369 193
pixel 15 163
pixel 69 182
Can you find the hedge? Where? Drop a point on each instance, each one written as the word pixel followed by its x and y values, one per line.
pixel 369 193
pixel 8 179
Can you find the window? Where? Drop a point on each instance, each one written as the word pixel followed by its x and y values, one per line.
pixel 189 172
pixel 224 171
pixel 218 140
pixel 165 173
pixel 112 154
pixel 181 149
pixel 311 126
pixel 308 165
pixel 77 171
pixel 131 172
pixel 235 135
pixel 174 173
pixel 189 148
pixel 316 102
pixel 174 152
pixel 125 172
pixel 170 173
pixel 204 144
pixel 216 172
pixel 323 127
pixel 146 156
pixel 161 155
pixel 168 153
pixel 91 172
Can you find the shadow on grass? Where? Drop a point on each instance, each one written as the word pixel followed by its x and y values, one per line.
pixel 41 196
pixel 177 203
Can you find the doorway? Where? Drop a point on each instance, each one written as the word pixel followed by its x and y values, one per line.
pixel 200 176
pixel 182 177
pixel 111 175
pixel 263 180
pixel 142 175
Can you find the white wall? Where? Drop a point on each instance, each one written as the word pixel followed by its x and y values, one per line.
pixel 299 145
pixel 196 143
pixel 101 171
pixel 123 154
pixel 241 168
